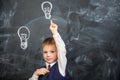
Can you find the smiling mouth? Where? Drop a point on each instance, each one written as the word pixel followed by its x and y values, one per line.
pixel 49 59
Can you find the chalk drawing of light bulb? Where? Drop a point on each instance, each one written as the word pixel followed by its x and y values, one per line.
pixel 24 34
pixel 47 7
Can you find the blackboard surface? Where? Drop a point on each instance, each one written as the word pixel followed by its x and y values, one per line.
pixel 90 29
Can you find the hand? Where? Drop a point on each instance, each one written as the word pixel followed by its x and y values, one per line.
pixel 53 27
pixel 41 71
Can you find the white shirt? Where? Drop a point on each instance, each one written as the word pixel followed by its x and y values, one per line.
pixel 62 60
pixel 49 64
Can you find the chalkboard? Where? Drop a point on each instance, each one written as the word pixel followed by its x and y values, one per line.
pixel 90 29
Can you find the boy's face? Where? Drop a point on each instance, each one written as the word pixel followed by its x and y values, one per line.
pixel 50 53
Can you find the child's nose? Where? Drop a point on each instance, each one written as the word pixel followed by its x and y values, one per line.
pixel 48 54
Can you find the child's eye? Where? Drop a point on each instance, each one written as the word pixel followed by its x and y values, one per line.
pixel 52 51
pixel 45 52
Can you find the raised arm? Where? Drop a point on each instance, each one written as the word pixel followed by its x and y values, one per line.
pixel 61 50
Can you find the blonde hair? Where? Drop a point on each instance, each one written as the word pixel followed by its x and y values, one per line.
pixel 48 41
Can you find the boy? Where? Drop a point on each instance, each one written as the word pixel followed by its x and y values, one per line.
pixel 54 54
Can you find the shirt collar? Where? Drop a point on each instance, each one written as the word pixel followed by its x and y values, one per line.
pixel 49 64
